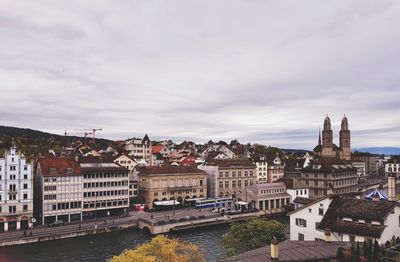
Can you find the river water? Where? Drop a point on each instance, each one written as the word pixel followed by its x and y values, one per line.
pixel 102 247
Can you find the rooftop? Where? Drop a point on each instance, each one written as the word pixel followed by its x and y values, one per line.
pixel 292 251
pixel 57 166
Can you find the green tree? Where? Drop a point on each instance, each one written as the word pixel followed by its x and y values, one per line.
pixel 340 254
pixel 252 234
pixel 162 249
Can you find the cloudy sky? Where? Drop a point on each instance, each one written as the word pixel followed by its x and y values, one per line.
pixel 253 70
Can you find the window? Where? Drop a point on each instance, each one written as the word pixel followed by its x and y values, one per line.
pixel 352 238
pixel 69 170
pixel 301 237
pixel 316 225
pixel 309 210
pixel 301 222
pixel 25 186
pixel 25 208
pixel 321 211
pixel 25 196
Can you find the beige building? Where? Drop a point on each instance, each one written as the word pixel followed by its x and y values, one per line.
pixel 266 196
pixel 58 190
pixel 171 182
pixel 233 176
pixel 329 176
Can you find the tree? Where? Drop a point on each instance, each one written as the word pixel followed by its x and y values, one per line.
pixel 340 254
pixel 162 249
pixel 252 234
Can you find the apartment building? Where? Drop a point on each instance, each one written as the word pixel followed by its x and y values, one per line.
pixel 58 190
pixel 329 176
pixel 105 187
pixel 16 191
pixel 171 182
pixel 345 218
pixel 233 176
pixel 392 166
pixel 140 148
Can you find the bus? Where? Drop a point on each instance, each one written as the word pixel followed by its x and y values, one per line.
pixel 214 202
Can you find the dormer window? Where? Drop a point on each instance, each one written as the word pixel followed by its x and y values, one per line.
pixel 69 170
pixel 52 170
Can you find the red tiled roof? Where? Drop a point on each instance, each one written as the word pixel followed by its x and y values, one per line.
pixel 156 149
pixel 60 164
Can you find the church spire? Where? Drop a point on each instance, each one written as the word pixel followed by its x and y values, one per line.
pixel 319 137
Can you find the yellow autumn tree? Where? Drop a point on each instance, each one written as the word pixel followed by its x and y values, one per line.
pixel 162 249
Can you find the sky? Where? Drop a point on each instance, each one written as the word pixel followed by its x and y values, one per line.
pixel 254 70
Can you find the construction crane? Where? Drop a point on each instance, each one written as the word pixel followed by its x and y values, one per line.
pixel 90 132
pixel 94 134
pixel 86 134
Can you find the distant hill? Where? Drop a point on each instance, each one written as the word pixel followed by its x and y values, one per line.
pixel 380 150
pixel 34 143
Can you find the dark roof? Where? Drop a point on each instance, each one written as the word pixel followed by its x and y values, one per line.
pixel 329 164
pixel 356 209
pixel 99 163
pixel 292 251
pixel 293 183
pixel 232 163
pixel 59 165
pixel 159 170
pixel 303 200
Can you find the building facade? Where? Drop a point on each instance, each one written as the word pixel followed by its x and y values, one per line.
pixel 141 148
pixel 346 219
pixel 16 191
pixel 392 166
pixel 266 196
pixel 171 183
pixel 370 161
pixel 329 176
pixel 233 176
pixel 105 187
pixel 58 190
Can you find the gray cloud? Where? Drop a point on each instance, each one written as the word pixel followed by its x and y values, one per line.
pixel 258 71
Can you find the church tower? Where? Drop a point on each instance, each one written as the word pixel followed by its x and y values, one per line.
pixel 327 138
pixel 345 139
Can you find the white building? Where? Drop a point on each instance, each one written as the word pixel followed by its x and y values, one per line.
pixel 393 167
pixel 141 148
pixel 295 188
pixel 58 190
pixel 16 191
pixel 105 187
pixel 304 220
pixel 346 218
pixel 262 167
pixel 361 168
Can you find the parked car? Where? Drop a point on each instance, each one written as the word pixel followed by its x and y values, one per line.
pixel 57 223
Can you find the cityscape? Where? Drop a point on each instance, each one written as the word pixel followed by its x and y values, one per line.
pixel 194 131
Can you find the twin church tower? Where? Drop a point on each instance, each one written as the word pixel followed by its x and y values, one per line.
pixel 327 148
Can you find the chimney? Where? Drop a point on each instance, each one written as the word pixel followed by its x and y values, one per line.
pixel 274 250
pixel 328 235
pixel 392 187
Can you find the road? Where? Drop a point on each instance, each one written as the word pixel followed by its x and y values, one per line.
pixel 103 223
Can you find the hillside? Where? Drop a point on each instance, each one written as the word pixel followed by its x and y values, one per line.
pixel 35 143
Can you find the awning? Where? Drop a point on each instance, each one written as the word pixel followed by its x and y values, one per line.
pixel 166 203
pixel 242 203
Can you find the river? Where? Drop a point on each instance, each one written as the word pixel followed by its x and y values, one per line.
pixel 104 246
